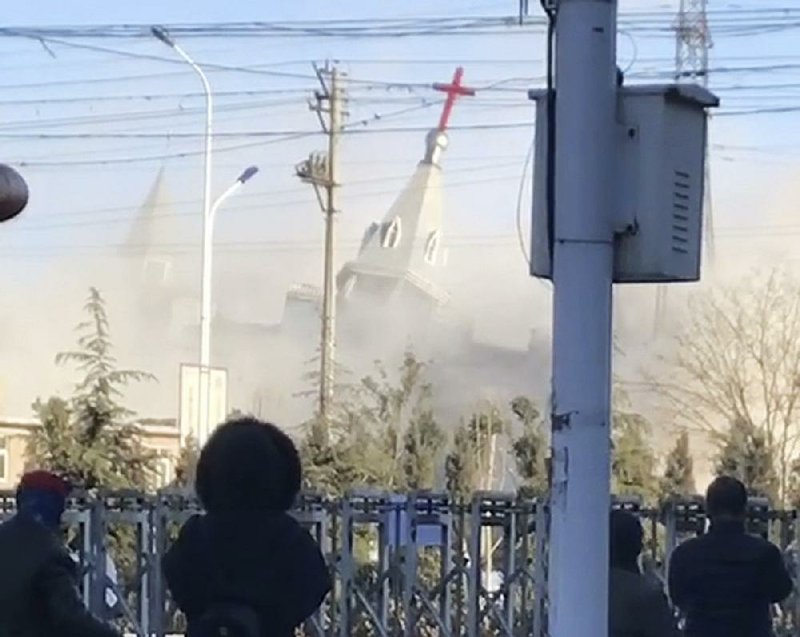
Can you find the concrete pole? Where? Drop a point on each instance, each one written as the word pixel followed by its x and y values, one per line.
pixel 328 354
pixel 582 278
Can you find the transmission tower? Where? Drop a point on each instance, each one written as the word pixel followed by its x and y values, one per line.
pixel 692 46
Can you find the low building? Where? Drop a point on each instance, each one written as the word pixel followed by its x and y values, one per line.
pixel 161 436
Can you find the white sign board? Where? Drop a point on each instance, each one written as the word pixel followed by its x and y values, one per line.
pixel 203 401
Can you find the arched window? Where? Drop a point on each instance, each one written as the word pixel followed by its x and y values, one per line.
pixel 391 234
pixel 432 247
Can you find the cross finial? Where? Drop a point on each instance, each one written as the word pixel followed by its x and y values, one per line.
pixel 454 90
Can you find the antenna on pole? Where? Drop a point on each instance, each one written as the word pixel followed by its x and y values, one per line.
pixel 693 43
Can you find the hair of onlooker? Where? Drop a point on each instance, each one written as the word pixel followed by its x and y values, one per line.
pixel 248 464
pixel 726 497
pixel 627 537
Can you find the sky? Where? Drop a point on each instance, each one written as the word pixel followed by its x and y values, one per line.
pixel 85 191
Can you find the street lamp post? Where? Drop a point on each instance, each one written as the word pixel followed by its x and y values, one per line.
pixel 208 252
pixel 204 426
pixel 205 341
pixel 209 211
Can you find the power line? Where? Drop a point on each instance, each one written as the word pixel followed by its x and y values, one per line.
pixel 500 241
pixel 161 156
pixel 148 97
pixel 270 195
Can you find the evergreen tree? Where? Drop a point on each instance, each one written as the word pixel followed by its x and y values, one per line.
pixel 530 447
pixel 186 467
pixel 468 465
pixel 746 455
pixel 793 494
pixel 383 433
pixel 678 478
pixel 423 446
pixel 633 459
pixel 91 438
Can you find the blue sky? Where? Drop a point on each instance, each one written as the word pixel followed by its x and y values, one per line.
pixel 81 205
pixel 85 192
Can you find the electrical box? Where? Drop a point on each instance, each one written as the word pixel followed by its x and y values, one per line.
pixel 659 185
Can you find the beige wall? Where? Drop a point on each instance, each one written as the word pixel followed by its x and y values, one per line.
pixel 163 439
pixel 12 457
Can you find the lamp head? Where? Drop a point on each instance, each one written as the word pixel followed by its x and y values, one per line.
pixel 248 174
pixel 163 36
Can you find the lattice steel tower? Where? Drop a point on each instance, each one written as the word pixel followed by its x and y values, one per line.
pixel 692 46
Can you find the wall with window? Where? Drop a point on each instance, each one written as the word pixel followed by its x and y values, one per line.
pixel 13 450
pixel 164 440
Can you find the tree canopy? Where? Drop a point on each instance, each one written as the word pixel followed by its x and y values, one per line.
pixel 633 459
pixel 91 437
pixel 678 477
pixel 737 367
pixel 746 455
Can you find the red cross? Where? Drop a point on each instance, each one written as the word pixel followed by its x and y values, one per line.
pixel 454 90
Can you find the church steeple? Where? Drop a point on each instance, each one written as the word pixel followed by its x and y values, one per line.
pixel 147 227
pixel 403 250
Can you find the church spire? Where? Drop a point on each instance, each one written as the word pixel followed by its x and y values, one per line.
pixel 401 255
pixel 436 140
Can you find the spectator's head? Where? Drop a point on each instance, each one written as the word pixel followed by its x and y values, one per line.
pixel 626 536
pixel 248 464
pixel 42 496
pixel 726 498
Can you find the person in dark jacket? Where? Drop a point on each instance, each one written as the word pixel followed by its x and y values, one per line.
pixel 637 605
pixel 725 582
pixel 247 550
pixel 39 579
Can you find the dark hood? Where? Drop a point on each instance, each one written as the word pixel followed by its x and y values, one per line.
pixel 262 559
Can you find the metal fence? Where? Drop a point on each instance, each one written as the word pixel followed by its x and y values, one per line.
pixel 403 565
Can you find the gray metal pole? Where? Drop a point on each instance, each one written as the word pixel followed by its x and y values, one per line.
pixel 328 354
pixel 582 276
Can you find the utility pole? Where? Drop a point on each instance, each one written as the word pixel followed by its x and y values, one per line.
pixel 693 44
pixel 321 171
pixel 583 257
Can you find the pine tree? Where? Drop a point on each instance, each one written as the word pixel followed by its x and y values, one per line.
pixel 746 455
pixel 468 464
pixel 633 459
pixel 186 467
pixel 91 438
pixel 53 446
pixel 423 445
pixel 678 478
pixel 530 447
pixel 383 433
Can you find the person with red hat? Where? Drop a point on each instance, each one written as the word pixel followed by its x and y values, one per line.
pixel 39 580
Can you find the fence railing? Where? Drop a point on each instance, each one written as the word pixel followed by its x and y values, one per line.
pixel 406 565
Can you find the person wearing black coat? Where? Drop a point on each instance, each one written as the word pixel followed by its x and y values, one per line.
pixel 247 553
pixel 637 605
pixel 39 580
pixel 725 582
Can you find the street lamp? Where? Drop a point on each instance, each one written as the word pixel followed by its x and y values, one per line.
pixel 162 35
pixel 208 251
pixel 205 309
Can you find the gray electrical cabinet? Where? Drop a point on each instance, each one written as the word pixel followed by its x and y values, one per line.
pixel 660 161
